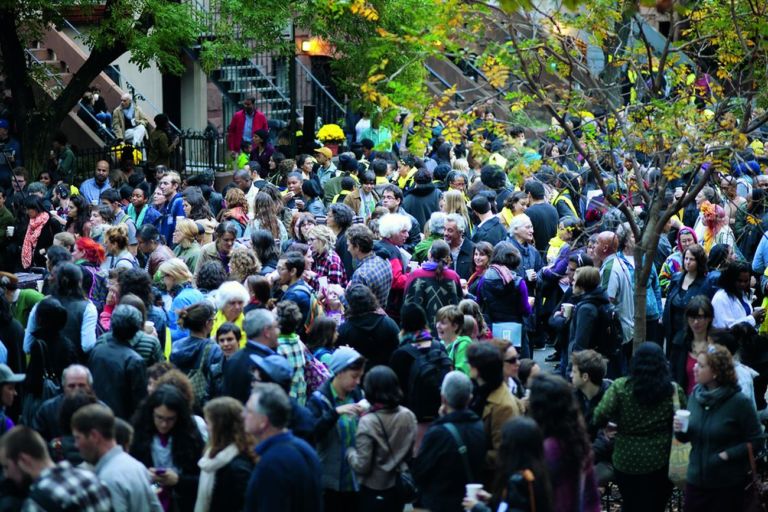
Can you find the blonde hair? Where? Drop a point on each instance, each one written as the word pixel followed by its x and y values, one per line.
pixel 177 270
pixel 174 177
pixel 455 203
pixel 325 235
pixel 188 230
pixel 65 239
pixel 460 164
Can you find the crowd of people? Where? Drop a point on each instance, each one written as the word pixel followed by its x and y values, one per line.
pixel 356 332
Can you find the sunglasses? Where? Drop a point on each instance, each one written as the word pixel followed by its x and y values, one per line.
pixel 511 360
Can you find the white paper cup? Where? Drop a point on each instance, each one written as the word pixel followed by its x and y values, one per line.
pixel 530 274
pixel 683 416
pixel 567 309
pixel 40 284
pixel 472 490
pixel 10 230
pixel 149 327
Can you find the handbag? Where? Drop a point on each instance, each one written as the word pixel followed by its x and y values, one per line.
pixel 405 484
pixel 50 388
pixel 755 493
pixel 679 453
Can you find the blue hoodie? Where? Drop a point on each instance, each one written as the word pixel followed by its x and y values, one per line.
pixel 186 353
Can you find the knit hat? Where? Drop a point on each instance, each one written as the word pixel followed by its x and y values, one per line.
pixel 413 318
pixel 277 368
pixel 342 358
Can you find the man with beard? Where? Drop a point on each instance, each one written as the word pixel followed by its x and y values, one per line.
pixel 92 188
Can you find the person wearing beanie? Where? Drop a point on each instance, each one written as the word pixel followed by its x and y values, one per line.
pixel 337 406
pixel 424 198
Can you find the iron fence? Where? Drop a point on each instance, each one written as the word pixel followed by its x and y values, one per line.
pixel 196 152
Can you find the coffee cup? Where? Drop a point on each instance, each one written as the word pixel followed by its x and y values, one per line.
pixel 472 490
pixel 10 230
pixel 567 309
pixel 149 327
pixel 530 274
pixel 683 416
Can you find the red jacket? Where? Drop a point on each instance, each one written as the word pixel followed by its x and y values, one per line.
pixel 236 125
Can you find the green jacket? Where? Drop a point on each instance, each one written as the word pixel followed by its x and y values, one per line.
pixel 457 351
pixel 24 304
pixel 421 252
pixel 723 421
pixel 644 432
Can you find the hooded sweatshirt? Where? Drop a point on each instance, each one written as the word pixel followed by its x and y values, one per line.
pixel 372 334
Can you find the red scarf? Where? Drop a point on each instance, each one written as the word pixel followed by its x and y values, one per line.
pixel 30 239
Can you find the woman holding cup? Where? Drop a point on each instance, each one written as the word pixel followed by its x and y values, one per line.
pixel 721 425
pixel 641 405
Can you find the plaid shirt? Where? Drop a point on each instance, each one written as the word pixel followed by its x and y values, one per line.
pixel 292 349
pixel 70 488
pixel 375 273
pixel 329 265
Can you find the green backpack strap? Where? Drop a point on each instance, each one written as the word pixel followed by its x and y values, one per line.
pixel 450 427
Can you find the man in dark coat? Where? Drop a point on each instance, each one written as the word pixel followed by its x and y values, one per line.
pixel 261 329
pixel 441 469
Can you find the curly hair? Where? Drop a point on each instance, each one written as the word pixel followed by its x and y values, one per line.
pixel 264 208
pixel 649 375
pixel 187 442
pixel 555 408
pixel 211 275
pixel 236 197
pixel 243 263
pixel 361 300
pixel 83 217
pixel 720 361
pixel 289 316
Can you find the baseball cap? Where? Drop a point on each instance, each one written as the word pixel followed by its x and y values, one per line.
pixel 342 358
pixel 7 375
pixel 327 153
pixel 276 367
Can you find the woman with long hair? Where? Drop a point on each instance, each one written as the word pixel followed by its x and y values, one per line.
pixel 89 256
pixel 684 286
pixel 228 460
pixel 79 217
pixel 481 260
pixel 264 217
pixel 722 424
pixel 185 240
pixel 383 442
pixel 732 303
pixel 522 481
pixel 688 343
pixel 38 236
pixel 167 441
pixel 300 227
pixel 454 202
pixel 196 208
pixel 263 244
pixel 515 204
pixel 641 404
pixel 567 449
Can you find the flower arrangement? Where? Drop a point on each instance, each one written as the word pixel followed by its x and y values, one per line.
pixel 708 209
pixel 331 133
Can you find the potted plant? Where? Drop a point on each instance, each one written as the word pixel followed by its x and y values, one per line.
pixel 331 135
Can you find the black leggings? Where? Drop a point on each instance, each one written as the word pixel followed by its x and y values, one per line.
pixel 648 492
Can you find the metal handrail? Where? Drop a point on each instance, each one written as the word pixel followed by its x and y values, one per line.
pixel 443 81
pixel 134 91
pixel 62 85
pixel 317 83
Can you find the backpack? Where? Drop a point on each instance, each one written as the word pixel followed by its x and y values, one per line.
pixel 198 377
pixel 315 371
pixel 425 378
pixel 315 308
pixel 609 333
pixel 99 286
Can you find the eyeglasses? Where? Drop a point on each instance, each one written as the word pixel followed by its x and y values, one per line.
pixel 511 360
